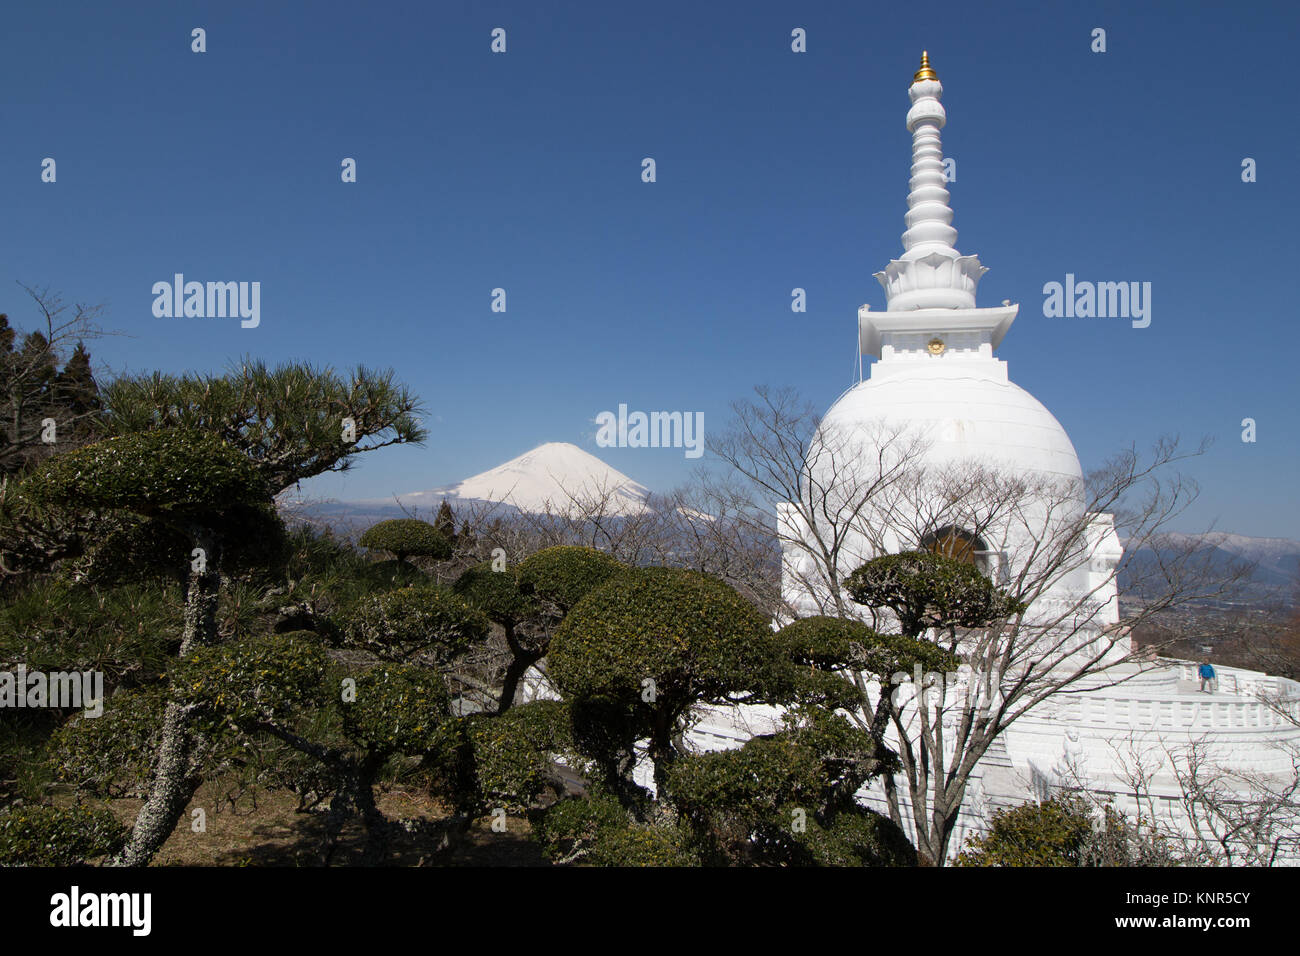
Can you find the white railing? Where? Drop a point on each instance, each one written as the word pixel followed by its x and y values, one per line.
pixel 1186 715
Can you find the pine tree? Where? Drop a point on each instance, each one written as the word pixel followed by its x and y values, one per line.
pixel 445 522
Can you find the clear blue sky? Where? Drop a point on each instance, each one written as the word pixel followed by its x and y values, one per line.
pixel 775 170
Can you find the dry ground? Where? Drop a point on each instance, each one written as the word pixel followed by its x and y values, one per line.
pixel 265 829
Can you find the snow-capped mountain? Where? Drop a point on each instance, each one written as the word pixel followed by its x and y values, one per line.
pixel 554 476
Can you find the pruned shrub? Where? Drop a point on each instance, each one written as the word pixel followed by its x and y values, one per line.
pixel 403 623
pixel 570 828
pixel 642 845
pixel 255 679
pixel 407 538
pixel 58 836
pixel 562 576
pixel 511 751
pixel 113 754
pixel 495 593
pixel 398 709
pixel 175 472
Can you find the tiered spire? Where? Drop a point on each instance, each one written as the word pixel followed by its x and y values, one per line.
pixel 931 274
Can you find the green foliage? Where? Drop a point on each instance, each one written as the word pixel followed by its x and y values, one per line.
pixel 830 643
pixel 57 836
pixel 894 654
pixel 332 574
pixel 605 730
pixel 131 548
pixel 764 775
pixel 636 654
pixel 569 828
pixel 562 576
pixel 823 690
pixel 398 709
pixel 495 593
pixel 255 679
pixel 643 845
pixel 287 420
pixel 1056 832
pixel 111 755
pixel 407 537
pixel 849 756
pixel 179 474
pixel 694 636
pixel 929 590
pixel 777 798
pixel 425 619
pixel 857 837
pixel 126 632
pixel 135 549
pixel 511 750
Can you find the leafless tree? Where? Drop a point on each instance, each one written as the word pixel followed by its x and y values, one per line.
pixel 1211 813
pixel 852 495
pixel 779 457
pixel 32 385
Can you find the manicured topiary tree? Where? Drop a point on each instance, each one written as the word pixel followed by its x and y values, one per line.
pixel 779 799
pixel 282 685
pixel 286 424
pixel 407 538
pixel 512 752
pixel 655 642
pixel 427 621
pixel 848 652
pixel 496 593
pixel 186 483
pixel 193 484
pixel 942 606
pixel 926 590
pixel 530 601
pixel 559 577
pixel 568 829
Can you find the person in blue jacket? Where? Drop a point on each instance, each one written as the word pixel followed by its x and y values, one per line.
pixel 1206 673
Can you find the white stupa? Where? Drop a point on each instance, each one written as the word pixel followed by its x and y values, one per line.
pixel 938 401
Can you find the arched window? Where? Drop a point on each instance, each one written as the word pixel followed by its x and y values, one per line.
pixel 953 542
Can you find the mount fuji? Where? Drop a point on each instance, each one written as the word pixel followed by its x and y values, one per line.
pixel 552 476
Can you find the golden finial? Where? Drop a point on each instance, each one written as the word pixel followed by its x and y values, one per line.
pixel 925 73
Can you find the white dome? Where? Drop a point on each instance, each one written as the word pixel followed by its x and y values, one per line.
pixel 963 418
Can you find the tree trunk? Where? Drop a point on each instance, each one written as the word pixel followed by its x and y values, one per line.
pixel 378 827
pixel 174 778
pixel 520 661
pixel 170 792
pixel 661 750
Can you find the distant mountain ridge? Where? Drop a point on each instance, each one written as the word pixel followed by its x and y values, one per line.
pixel 1276 575
pixel 554 475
